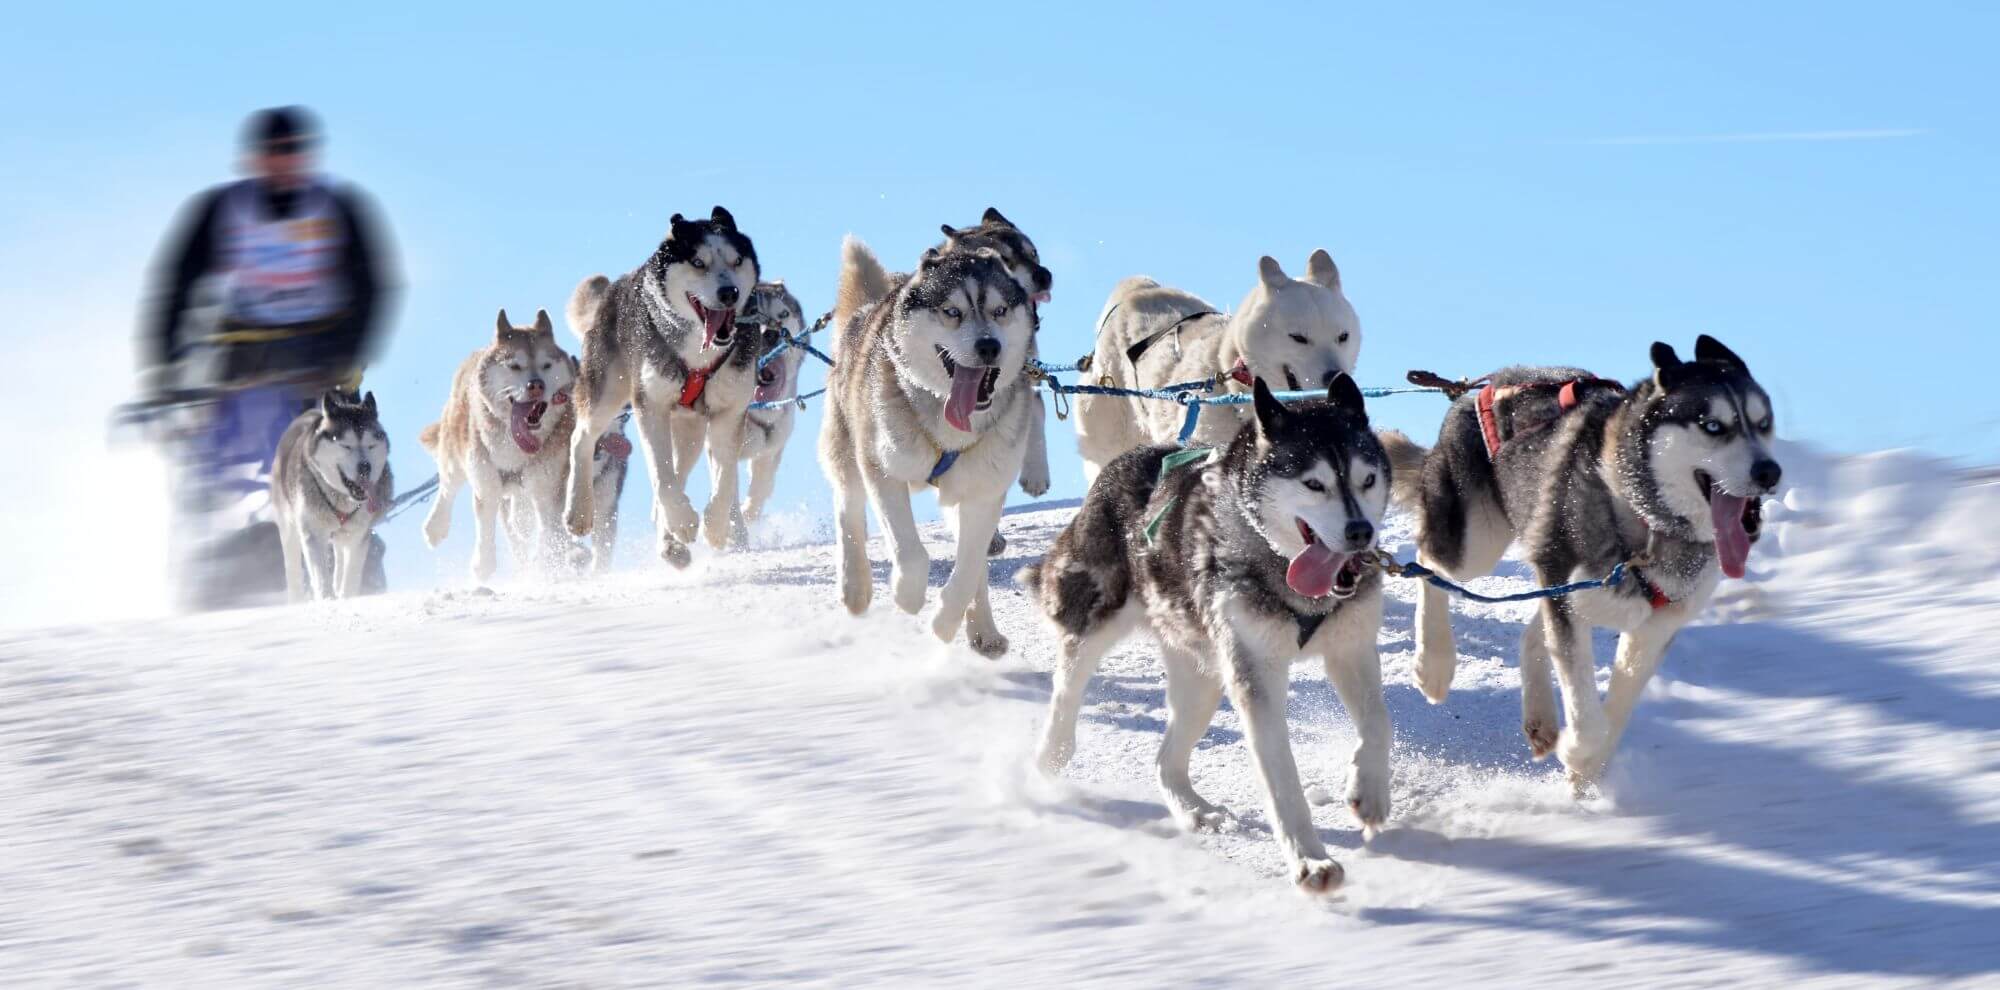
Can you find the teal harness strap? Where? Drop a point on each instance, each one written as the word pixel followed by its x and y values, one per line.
pixel 1168 465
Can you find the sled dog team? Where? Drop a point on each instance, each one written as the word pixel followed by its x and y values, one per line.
pixel 1246 550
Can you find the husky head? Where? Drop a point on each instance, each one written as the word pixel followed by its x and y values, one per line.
pixel 522 375
pixel 1706 456
pixel 703 270
pixel 963 327
pixel 1298 331
pixel 1017 252
pixel 772 311
pixel 1317 486
pixel 349 451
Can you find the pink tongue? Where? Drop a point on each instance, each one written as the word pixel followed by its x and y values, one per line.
pixel 517 422
pixel 775 390
pixel 712 322
pixel 1732 542
pixel 964 396
pixel 1312 571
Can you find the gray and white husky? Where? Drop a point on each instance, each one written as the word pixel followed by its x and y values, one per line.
pixel 774 313
pixel 662 339
pixel 330 485
pixel 928 390
pixel 505 434
pixel 1586 474
pixel 1239 565
pixel 1294 333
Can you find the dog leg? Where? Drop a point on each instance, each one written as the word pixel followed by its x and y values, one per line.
pixel 910 572
pixel 350 562
pixel 1074 665
pixel 857 581
pixel 1035 469
pixel 1192 698
pixel 317 564
pixel 1437 652
pixel 437 523
pixel 978 520
pixel 722 519
pixel 1357 678
pixel 688 433
pixel 656 434
pixel 485 521
pixel 1584 739
pixel 289 538
pixel 1258 687
pixel 1639 654
pixel 763 479
pixel 1539 721
pixel 981 632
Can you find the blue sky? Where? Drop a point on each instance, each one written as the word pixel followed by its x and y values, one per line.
pixel 1813 183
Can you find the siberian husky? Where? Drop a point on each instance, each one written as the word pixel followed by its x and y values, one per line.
pixel 776 313
pixel 1665 475
pixel 662 339
pixel 928 390
pixel 505 434
pixel 1255 557
pixel 1294 333
pixel 330 485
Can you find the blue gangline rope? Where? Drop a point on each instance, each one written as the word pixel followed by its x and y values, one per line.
pixel 1418 571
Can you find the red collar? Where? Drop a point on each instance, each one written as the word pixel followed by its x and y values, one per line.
pixel 697 382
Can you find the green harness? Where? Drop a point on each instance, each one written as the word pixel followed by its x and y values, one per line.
pixel 1168 465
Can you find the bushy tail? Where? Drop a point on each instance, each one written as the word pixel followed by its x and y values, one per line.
pixel 863 280
pixel 1030 578
pixel 1406 466
pixel 585 303
pixel 429 438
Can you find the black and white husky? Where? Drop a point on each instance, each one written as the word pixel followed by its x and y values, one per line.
pixel 330 485
pixel 1586 473
pixel 1240 565
pixel 663 340
pixel 773 312
pixel 927 391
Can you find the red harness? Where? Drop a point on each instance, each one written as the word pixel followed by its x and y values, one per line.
pixel 616 445
pixel 697 382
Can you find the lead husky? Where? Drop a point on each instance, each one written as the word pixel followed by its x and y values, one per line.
pixel 663 340
pixel 928 390
pixel 1301 332
pixel 505 434
pixel 1239 566
pixel 1589 474
pixel 766 431
pixel 327 494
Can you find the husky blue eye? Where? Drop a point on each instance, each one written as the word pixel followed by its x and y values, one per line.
pixel 1712 427
pixel 999 312
pixel 699 265
pixel 952 311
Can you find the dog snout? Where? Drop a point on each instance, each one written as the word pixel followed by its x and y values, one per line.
pixel 1765 474
pixel 363 469
pixel 535 388
pixel 988 350
pixel 726 294
pixel 1360 533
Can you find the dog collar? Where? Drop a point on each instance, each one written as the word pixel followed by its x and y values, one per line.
pixel 615 445
pixel 697 381
pixel 944 462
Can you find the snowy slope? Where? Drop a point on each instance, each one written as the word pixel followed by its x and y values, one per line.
pixel 718 776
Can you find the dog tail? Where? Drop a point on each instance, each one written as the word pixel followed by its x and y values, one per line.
pixel 429 438
pixel 1406 466
pixel 863 280
pixel 1030 578
pixel 585 303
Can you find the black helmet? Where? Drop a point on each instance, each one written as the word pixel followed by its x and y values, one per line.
pixel 292 128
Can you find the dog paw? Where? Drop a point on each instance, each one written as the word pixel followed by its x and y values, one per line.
pixel 1542 734
pixel 855 593
pixel 997 545
pixel 675 553
pixel 1317 876
pixel 717 524
pixel 1193 814
pixel 576 518
pixel 1054 753
pixel 1368 798
pixel 682 521
pixel 987 643
pixel 1584 753
pixel 945 626
pixel 1036 485
pixel 1434 674
pixel 910 583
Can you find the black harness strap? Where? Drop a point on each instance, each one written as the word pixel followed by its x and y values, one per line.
pixel 1308 624
pixel 1140 346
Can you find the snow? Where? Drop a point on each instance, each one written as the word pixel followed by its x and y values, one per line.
pixel 718 776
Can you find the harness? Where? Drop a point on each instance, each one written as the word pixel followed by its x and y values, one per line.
pixel 1140 346
pixel 615 445
pixel 1567 398
pixel 944 462
pixel 697 381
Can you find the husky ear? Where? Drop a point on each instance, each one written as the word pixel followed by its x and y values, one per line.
pixel 327 400
pixel 722 218
pixel 504 325
pixel 949 231
pixel 368 404
pixel 1666 365
pixel 1271 413
pixel 1321 271
pixel 993 216
pixel 542 324
pixel 930 259
pixel 1344 394
pixel 1272 273
pixel 1707 348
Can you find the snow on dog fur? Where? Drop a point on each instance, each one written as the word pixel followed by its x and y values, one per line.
pixel 505 434
pixel 928 391
pixel 1294 333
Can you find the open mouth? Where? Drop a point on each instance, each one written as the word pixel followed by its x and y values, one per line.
pixel 1319 571
pixel 522 422
pixel 1737 519
pixel 971 390
pixel 354 488
pixel 717 325
pixel 771 380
